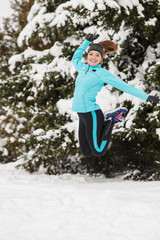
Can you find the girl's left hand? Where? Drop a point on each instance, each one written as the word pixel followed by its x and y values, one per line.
pixel 153 99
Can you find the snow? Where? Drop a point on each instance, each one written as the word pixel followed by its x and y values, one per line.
pixel 39 20
pixel 151 22
pixel 130 4
pixel 158 132
pixel 38 207
pixel 34 10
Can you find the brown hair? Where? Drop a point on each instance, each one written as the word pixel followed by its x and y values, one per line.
pixel 108 47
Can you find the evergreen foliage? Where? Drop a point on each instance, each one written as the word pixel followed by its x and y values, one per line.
pixel 39 77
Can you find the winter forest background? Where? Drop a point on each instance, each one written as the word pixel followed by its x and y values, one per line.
pixel 38 130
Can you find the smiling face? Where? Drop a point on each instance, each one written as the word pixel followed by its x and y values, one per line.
pixel 94 58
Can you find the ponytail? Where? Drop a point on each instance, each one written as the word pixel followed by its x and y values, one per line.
pixel 108 47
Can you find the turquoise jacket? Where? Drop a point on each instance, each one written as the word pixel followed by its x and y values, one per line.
pixel 90 81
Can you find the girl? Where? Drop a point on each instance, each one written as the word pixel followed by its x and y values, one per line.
pixel 94 132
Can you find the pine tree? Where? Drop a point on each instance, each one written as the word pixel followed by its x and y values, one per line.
pixel 8 118
pixel 140 142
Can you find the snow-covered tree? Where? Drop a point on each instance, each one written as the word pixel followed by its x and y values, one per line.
pixel 8 38
pixel 140 140
pixel 42 130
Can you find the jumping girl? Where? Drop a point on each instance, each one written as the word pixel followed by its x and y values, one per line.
pixel 94 132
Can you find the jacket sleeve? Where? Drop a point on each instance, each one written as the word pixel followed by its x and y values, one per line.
pixel 77 57
pixel 111 79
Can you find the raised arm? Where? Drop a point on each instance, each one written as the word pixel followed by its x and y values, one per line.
pixel 77 57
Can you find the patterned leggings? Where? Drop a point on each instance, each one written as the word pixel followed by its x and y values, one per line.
pixel 94 134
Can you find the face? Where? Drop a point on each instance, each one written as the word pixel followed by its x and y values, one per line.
pixel 94 58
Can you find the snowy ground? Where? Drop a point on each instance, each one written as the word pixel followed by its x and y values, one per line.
pixel 40 207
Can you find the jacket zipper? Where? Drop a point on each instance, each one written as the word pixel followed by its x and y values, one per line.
pixel 87 69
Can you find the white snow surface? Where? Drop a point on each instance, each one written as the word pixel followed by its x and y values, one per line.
pixel 38 207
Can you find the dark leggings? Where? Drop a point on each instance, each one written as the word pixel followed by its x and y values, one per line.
pixel 94 134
